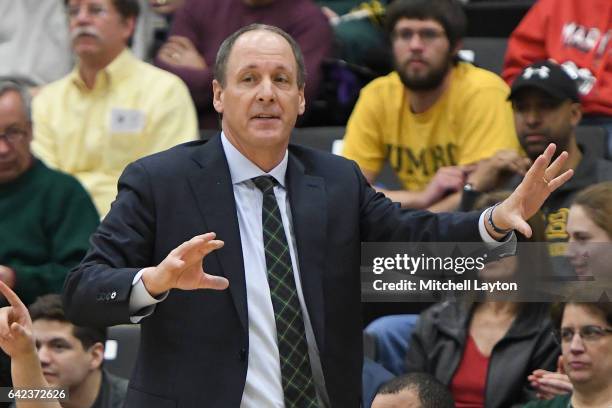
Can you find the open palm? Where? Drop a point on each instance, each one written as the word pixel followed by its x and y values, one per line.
pixel 539 182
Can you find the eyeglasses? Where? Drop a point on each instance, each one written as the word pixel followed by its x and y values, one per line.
pixel 93 10
pixel 427 35
pixel 13 135
pixel 589 333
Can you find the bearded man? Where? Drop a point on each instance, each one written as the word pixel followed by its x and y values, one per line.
pixel 434 116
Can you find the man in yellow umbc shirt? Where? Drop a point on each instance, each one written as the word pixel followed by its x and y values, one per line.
pixel 112 108
pixel 433 117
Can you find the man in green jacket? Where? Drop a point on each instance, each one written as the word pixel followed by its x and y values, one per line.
pixel 46 216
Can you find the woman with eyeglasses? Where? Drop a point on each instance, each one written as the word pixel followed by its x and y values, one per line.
pixel 584 331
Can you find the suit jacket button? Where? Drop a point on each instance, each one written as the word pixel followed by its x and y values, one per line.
pixel 113 295
pixel 242 354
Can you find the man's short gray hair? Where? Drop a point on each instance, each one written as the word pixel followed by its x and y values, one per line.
pixel 226 48
pixel 20 86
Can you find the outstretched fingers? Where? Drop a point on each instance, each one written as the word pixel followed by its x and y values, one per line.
pixel 194 250
pixel 187 246
pixel 16 312
pixel 11 296
pixel 538 169
pixel 556 166
pixel 559 181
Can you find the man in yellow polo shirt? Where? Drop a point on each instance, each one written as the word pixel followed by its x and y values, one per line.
pixel 113 108
pixel 433 116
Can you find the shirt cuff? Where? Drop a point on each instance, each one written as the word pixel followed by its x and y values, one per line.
pixel 142 304
pixel 487 238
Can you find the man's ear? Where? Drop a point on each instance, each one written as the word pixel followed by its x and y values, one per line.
pixel 302 101
pixel 97 355
pixel 458 46
pixel 217 96
pixel 30 131
pixel 576 114
pixel 130 25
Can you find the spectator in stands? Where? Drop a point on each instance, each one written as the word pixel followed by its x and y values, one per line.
pixel 113 108
pixel 153 26
pixel 163 11
pixel 546 110
pixel 433 116
pixel 576 34
pixel 589 228
pixel 34 40
pixel 585 335
pixel 200 26
pixel 69 357
pixel 72 357
pixel 359 34
pixel 46 216
pixel 590 236
pixel 483 351
pixel 414 390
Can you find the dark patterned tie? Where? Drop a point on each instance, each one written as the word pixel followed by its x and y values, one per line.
pixel 298 384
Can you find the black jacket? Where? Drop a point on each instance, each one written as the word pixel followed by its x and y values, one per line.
pixel 111 394
pixel 439 339
pixel 112 391
pixel 194 348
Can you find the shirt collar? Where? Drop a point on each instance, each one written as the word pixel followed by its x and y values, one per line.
pixel 117 69
pixel 242 169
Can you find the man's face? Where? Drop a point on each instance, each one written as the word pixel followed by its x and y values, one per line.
pixel 406 398
pixel 16 131
pixel 421 52
pixel 98 30
pixel 261 99
pixel 541 119
pixel 65 363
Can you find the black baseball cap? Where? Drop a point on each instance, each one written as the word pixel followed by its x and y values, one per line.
pixel 548 77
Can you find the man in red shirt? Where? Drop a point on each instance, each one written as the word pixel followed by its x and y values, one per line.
pixel 578 35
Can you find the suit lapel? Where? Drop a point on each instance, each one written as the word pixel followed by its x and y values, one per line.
pixel 307 198
pixel 214 194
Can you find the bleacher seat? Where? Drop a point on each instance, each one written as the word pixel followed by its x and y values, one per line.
pixel 495 18
pixel 486 52
pixel 121 349
pixel 595 139
pixel 321 138
pixel 328 139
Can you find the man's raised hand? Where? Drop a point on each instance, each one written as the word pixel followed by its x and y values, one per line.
pixel 539 182
pixel 182 268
